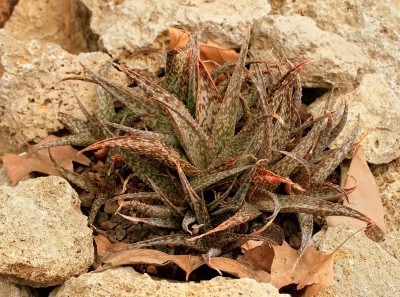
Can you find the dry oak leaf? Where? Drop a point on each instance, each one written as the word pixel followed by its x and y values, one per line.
pixel 258 255
pixel 313 270
pixel 365 198
pixel 187 263
pixel 18 166
pixel 116 254
pixel 211 54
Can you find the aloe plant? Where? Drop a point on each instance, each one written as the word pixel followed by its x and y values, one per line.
pixel 238 141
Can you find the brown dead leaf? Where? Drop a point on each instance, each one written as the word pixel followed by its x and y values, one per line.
pixel 116 254
pixel 18 166
pixel 251 244
pixel 366 198
pixel 313 269
pixel 123 256
pixel 239 269
pixel 102 244
pixel 177 38
pixel 188 263
pixel 260 256
pixel 211 54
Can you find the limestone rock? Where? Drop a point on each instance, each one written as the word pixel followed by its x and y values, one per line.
pixel 379 110
pixel 30 97
pixel 336 61
pixel 124 282
pixel 388 179
pixel 361 266
pixel 373 25
pixel 8 289
pixel 44 238
pixel 134 32
pixel 45 21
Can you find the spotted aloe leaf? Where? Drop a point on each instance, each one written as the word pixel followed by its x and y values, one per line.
pixel 225 122
pixel 246 213
pixel 203 181
pixel 196 203
pixel 286 165
pixel 174 72
pixel 326 166
pixel 154 211
pixel 152 148
pixel 83 139
pixel 335 123
pixel 168 138
pixel 188 220
pixel 73 124
pixel 85 132
pixel 175 211
pixel 175 240
pixel 339 126
pixel 134 99
pixel 247 142
pixel 170 188
pixel 95 126
pixel 105 106
pixel 239 198
pixel 192 74
pixel 202 92
pixel 306 222
pixel 166 222
pixel 191 136
pixel 308 204
pixel 79 180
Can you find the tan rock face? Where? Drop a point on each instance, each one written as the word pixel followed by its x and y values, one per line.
pixel 126 282
pixel 30 95
pixel 134 32
pixel 372 25
pixel 361 266
pixel 388 179
pixel 336 62
pixel 44 238
pixel 47 21
pixel 379 110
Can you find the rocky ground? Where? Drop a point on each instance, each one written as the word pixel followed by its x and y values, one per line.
pixel 44 238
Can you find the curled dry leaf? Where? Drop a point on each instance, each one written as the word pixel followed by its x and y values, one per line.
pixel 211 54
pixel 239 269
pixel 257 254
pixel 116 254
pixel 313 269
pixel 18 166
pixel 365 199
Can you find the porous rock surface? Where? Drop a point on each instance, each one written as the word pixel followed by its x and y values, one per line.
pixel 44 238
pixel 134 32
pixel 361 266
pixel 30 95
pixel 46 21
pixel 388 179
pixel 335 62
pixel 372 25
pixel 125 281
pixel 378 107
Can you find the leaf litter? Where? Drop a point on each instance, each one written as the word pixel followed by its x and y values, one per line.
pixel 19 166
pixel 365 198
